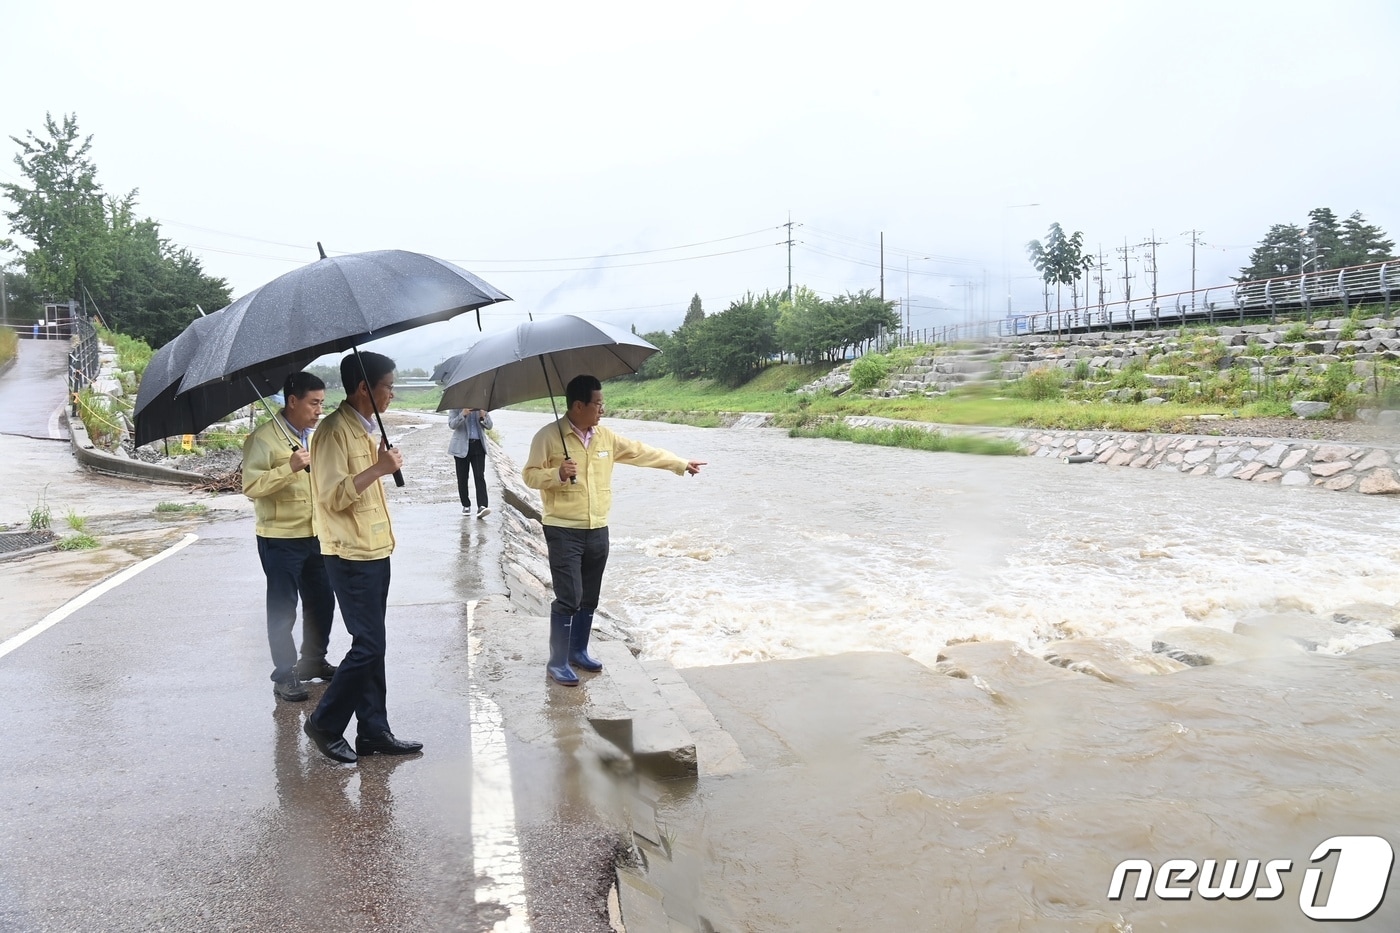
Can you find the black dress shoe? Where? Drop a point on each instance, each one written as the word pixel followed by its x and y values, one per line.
pixel 386 744
pixel 333 747
pixel 312 670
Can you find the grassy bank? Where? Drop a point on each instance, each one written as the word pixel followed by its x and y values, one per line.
pixel 9 345
pixel 914 438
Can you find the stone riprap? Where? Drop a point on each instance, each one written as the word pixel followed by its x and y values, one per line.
pixel 1369 470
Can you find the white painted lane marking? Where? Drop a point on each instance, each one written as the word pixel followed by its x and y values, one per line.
pixel 78 602
pixel 495 844
pixel 56 431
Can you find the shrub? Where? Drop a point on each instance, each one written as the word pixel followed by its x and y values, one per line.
pixel 1038 385
pixel 869 371
pixel 1297 333
pixel 1348 331
pixel 1333 389
pixel 1081 370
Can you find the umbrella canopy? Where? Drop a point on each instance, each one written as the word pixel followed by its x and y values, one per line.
pixel 537 359
pixel 331 305
pixel 163 411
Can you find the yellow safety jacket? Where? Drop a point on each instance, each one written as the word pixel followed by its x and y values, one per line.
pixel 585 504
pixel 281 498
pixel 353 525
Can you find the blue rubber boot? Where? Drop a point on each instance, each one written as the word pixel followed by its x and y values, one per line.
pixel 578 642
pixel 559 669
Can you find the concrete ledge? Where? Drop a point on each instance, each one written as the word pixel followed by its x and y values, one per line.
pixel 90 456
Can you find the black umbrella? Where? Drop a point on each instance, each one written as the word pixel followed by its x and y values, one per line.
pixel 534 359
pixel 331 305
pixel 162 410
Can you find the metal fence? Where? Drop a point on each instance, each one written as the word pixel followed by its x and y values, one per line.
pixel 82 357
pixel 1309 292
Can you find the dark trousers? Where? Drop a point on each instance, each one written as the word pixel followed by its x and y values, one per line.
pixel 577 559
pixel 474 461
pixel 358 688
pixel 293 566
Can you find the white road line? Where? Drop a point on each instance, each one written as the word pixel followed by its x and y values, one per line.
pixel 495 845
pixel 55 423
pixel 78 602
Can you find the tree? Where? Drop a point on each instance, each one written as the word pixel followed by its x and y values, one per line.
pixel 1279 253
pixel 87 244
pixel 1322 240
pixel 1060 260
pixel 733 345
pixel 694 312
pixel 1323 244
pixel 62 212
pixel 1362 243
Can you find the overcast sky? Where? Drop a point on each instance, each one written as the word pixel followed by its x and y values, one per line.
pixel 526 141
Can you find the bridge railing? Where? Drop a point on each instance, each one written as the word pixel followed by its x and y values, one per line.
pixel 1344 288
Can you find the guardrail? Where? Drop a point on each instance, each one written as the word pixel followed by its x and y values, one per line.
pixel 1286 294
pixel 82 357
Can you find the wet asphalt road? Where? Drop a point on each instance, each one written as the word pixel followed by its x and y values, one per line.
pixel 33 390
pixel 153 782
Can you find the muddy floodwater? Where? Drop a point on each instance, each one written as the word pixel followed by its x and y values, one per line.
pixel 1002 797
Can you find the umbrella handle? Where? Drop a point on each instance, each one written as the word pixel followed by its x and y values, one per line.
pixel 398 474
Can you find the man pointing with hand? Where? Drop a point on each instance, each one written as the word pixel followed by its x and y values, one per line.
pixel 570 463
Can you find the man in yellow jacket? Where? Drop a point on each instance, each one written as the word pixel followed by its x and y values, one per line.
pixel 570 463
pixel 275 461
pixel 357 538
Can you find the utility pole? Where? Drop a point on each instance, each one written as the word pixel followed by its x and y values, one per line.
pixel 788 242
pixel 882 267
pixel 1195 241
pixel 4 300
pixel 1151 262
pixel 1102 280
pixel 1127 252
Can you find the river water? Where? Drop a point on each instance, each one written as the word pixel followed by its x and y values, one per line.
pixel 788 548
pixel 913 801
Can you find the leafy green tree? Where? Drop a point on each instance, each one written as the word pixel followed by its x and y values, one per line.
pixel 1279 253
pixel 22 300
pixel 61 213
pixel 733 345
pixel 656 365
pixel 1322 240
pixel 1362 243
pixel 1060 260
pixel 802 326
pixel 695 312
pixel 87 244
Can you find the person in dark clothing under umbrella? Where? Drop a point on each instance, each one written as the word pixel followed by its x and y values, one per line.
pixel 275 477
pixel 357 538
pixel 468 449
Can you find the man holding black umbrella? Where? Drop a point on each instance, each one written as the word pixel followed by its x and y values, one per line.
pixel 570 463
pixel 357 538
pixel 275 477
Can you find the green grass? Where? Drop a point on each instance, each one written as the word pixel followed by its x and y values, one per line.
pixel 40 517
pixel 912 438
pixel 193 508
pixel 78 542
pixel 76 521
pixel 9 345
pixel 133 354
